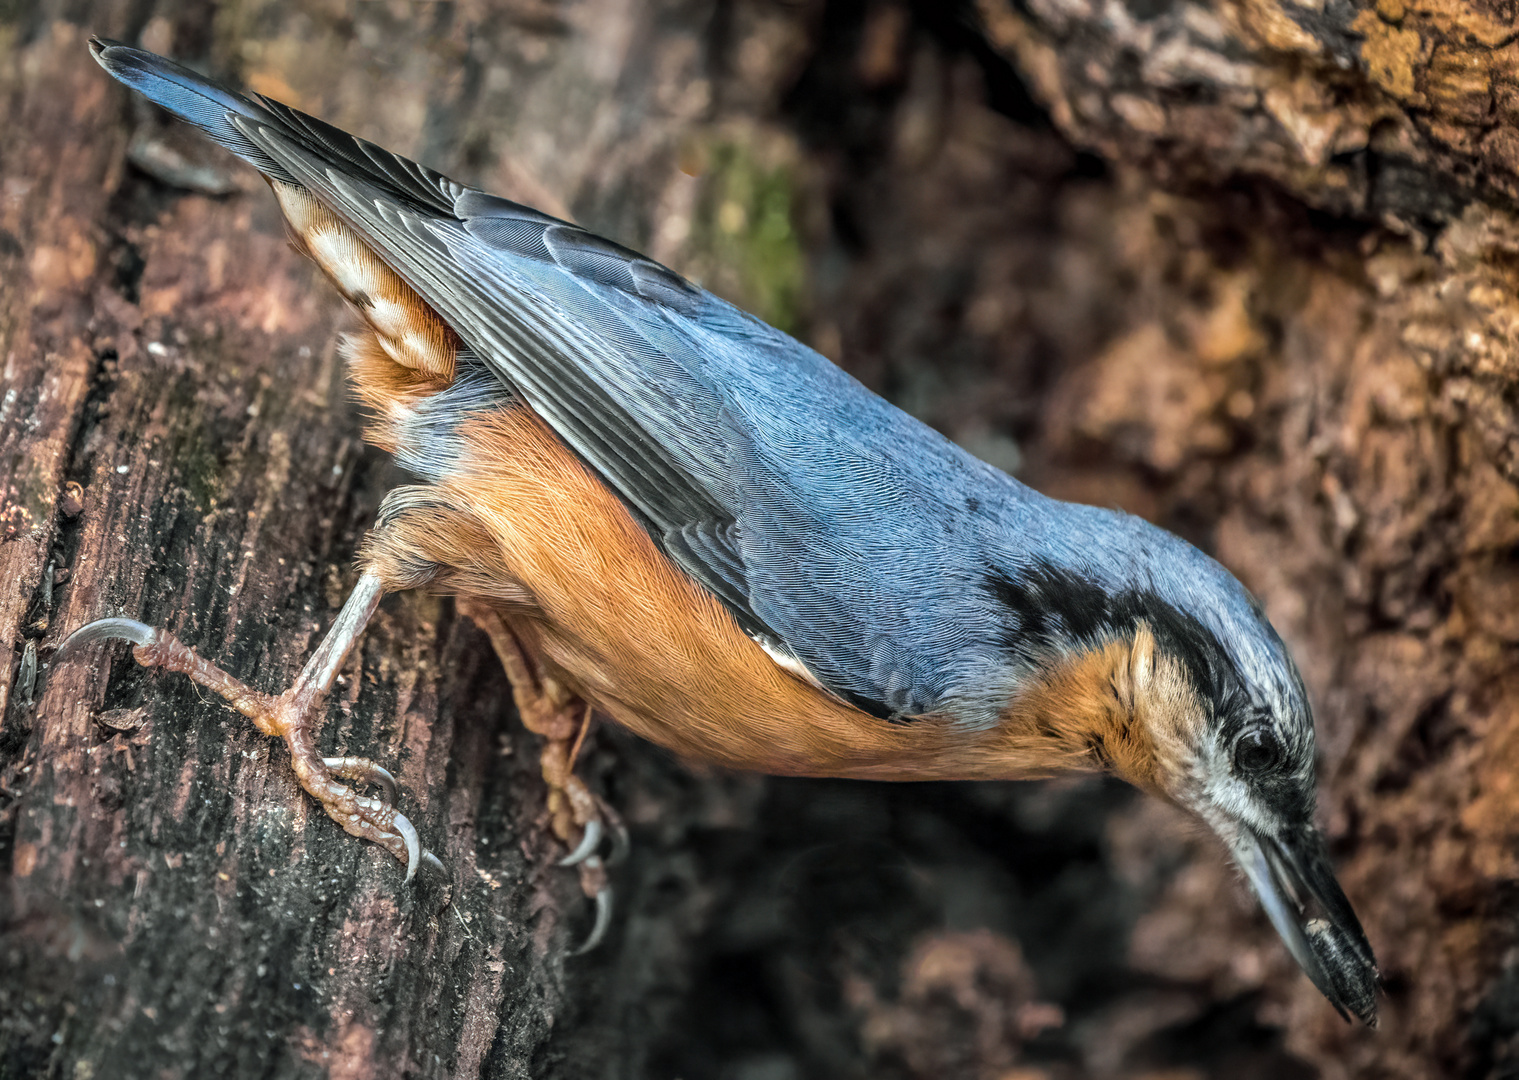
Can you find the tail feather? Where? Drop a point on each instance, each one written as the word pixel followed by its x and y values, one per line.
pixel 217 110
pixel 191 97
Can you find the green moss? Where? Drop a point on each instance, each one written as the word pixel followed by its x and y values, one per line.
pixel 34 485
pixel 198 468
pixel 743 230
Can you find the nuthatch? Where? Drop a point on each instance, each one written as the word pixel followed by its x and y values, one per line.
pixel 661 508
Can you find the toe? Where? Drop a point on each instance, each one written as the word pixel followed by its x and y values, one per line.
pixel 362 770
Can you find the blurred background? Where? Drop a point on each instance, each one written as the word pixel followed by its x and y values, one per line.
pixel 1243 267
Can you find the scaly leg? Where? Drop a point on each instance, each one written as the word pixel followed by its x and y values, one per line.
pixel 293 716
pixel 550 710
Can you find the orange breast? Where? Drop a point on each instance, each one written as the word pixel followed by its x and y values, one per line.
pixel 519 524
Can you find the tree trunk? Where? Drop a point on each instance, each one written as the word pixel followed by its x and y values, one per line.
pixel 1245 268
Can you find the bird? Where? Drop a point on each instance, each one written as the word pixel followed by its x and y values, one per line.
pixel 662 510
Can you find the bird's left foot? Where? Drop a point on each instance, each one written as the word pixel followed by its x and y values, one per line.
pixel 294 717
pixel 578 817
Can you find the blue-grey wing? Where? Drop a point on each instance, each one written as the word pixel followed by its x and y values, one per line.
pixel 758 466
pixel 819 490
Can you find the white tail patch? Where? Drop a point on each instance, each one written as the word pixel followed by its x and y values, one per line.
pixel 410 332
pixel 419 351
pixel 304 213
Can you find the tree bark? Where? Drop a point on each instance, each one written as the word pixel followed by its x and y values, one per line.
pixel 1245 268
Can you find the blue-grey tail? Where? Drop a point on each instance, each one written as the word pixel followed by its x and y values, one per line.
pixel 191 97
pixel 229 117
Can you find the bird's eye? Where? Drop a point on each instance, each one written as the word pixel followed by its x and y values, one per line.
pixel 1257 751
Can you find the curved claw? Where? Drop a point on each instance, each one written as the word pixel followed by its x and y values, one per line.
pixel 364 771
pixel 137 633
pixel 603 921
pixel 587 847
pixel 408 834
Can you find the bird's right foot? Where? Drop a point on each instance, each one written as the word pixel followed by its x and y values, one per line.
pixel 578 817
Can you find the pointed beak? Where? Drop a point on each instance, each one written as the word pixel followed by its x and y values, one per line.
pixel 1296 884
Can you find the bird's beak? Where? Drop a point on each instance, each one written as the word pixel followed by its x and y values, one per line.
pixel 1297 887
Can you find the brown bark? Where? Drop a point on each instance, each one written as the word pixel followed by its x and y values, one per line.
pixel 176 906
pixel 1244 268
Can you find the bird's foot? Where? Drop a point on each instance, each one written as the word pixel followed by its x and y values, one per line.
pixel 578 817
pixel 294 717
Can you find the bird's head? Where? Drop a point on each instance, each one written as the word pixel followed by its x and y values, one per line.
pixel 1245 765
pixel 1164 670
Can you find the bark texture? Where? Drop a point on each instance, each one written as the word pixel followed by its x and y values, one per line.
pixel 1246 268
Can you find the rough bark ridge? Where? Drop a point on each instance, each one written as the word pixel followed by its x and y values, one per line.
pixel 1247 268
